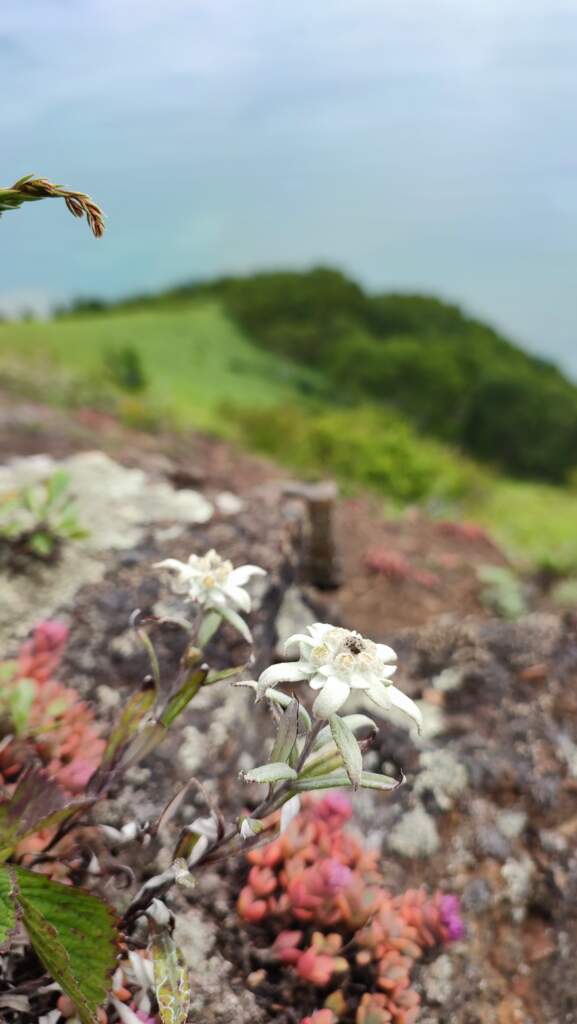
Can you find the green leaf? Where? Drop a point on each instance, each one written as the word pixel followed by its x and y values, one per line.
pixel 354 722
pixel 268 773
pixel 73 933
pixel 183 696
pixel 208 627
pixel 349 749
pixel 41 544
pixel 134 711
pixel 340 780
pixel 322 761
pixel 284 699
pixel 7 908
pixel 20 702
pixel 287 731
pixel 171 980
pixel 56 486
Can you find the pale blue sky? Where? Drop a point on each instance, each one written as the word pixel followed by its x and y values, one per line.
pixel 419 144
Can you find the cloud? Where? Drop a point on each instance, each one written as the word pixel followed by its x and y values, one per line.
pixel 427 144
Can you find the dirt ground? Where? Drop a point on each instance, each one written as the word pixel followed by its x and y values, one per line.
pixel 489 810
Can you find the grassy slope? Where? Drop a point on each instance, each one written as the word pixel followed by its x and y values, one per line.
pixel 196 359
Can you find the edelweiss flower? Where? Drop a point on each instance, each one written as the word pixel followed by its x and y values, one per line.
pixel 213 583
pixel 336 661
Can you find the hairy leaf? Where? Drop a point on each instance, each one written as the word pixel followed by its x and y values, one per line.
pixel 354 722
pixel 286 736
pixel 349 749
pixel 171 980
pixel 340 780
pixel 276 772
pixel 73 933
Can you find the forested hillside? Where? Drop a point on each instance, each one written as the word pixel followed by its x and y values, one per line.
pixel 454 377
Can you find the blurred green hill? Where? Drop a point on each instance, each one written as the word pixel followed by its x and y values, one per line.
pixel 402 394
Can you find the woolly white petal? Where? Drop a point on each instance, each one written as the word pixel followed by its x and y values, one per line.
pixel 289 812
pixel 400 700
pixel 332 697
pixel 173 563
pixel 299 638
pixel 286 672
pixel 238 623
pixel 317 682
pixel 242 574
pixel 385 653
pixel 238 596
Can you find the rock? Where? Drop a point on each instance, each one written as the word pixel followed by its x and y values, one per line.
pixel 512 823
pixel 437 980
pixel 477 896
pixel 294 615
pixel 217 997
pixel 415 835
pixel 442 775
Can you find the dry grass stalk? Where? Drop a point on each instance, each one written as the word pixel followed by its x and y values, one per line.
pixel 29 189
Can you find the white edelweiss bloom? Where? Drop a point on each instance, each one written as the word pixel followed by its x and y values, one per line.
pixel 336 661
pixel 213 583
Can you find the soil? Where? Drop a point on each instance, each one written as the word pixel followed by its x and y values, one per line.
pixel 489 809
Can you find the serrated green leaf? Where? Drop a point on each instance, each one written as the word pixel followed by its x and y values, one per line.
pixel 73 933
pixel 349 749
pixel 7 908
pixel 287 731
pixel 171 980
pixel 277 771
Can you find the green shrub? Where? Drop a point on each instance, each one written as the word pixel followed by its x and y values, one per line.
pixel 125 369
pixel 502 592
pixel 363 446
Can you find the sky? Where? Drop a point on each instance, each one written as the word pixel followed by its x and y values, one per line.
pixel 420 145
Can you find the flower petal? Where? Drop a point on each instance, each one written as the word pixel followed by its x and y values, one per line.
pixel 235 620
pixel 332 697
pixel 385 653
pixel 386 697
pixel 289 812
pixel 286 672
pixel 242 574
pixel 403 703
pixel 238 596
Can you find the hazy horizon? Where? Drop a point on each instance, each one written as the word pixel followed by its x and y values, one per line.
pixel 427 148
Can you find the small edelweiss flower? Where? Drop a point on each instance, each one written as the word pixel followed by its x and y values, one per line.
pixel 336 661
pixel 213 583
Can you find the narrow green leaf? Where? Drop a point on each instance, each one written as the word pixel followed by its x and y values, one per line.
pixel 73 933
pixel 134 711
pixel 183 696
pixel 340 780
pixel 171 980
pixel 350 751
pixel 284 699
pixel 7 908
pixel 268 773
pixel 208 627
pixel 374 780
pixel 287 731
